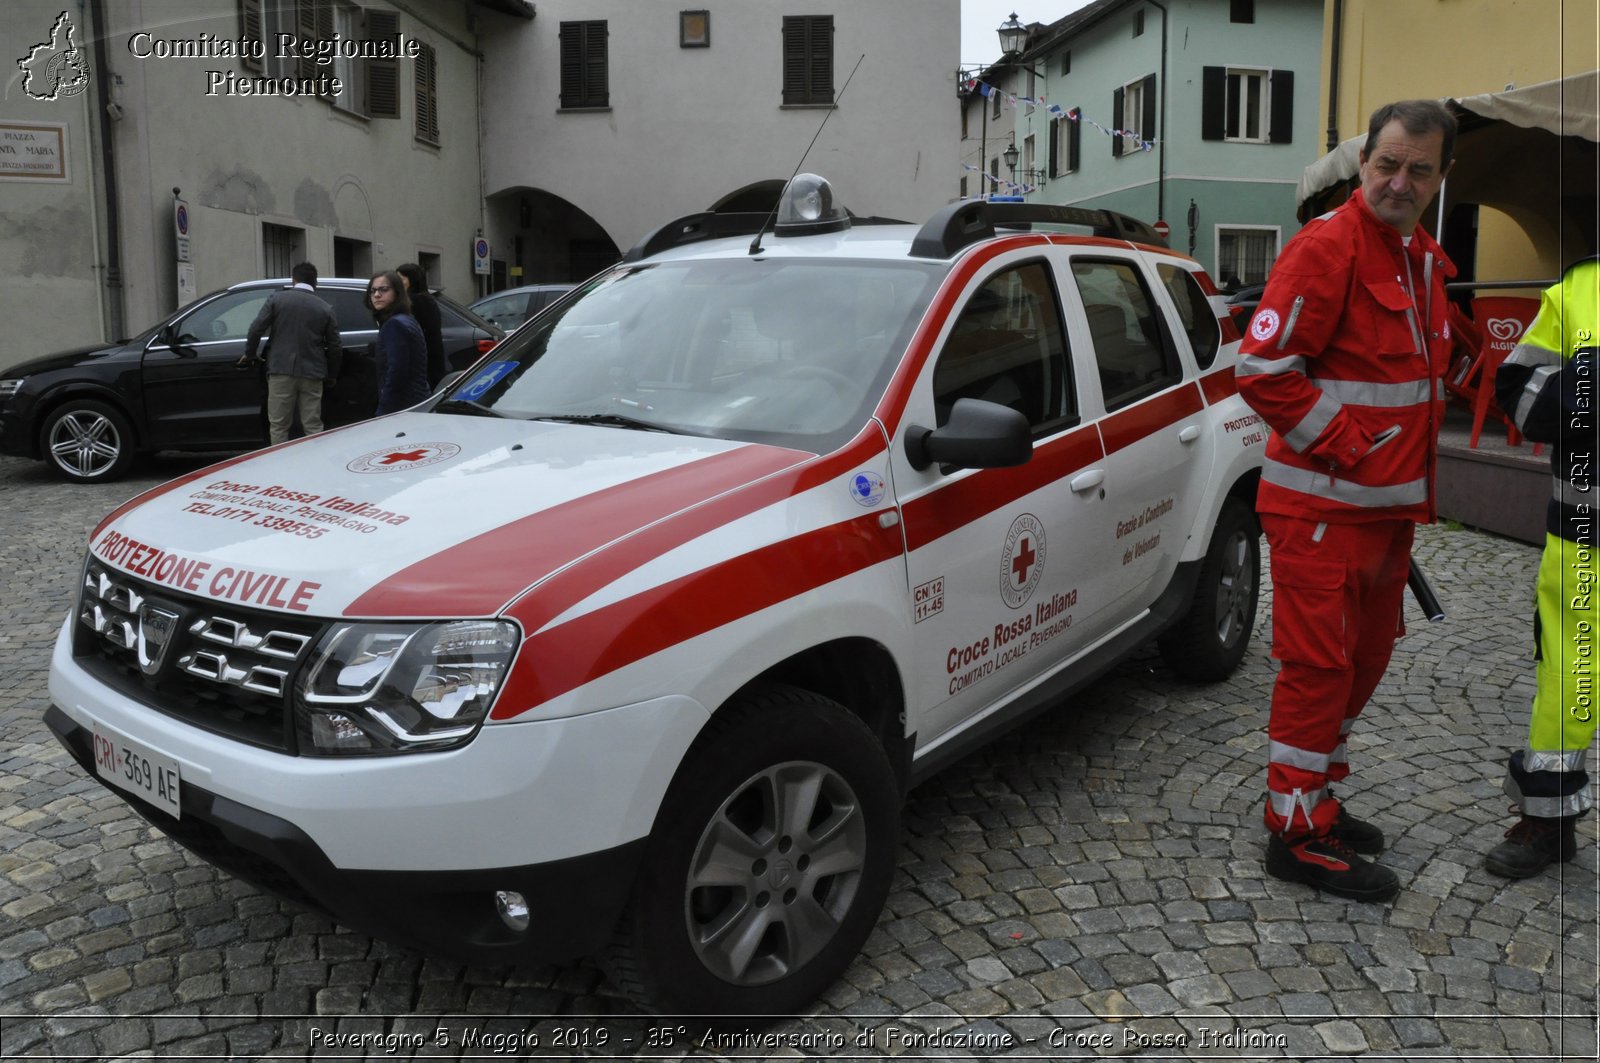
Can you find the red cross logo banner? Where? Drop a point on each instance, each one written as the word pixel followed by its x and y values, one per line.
pixel 1022 560
pixel 404 458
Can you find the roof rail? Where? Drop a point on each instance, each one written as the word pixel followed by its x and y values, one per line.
pixel 962 223
pixel 693 228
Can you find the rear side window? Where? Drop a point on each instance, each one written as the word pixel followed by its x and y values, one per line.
pixel 1194 311
pixel 507 311
pixel 349 309
pixel 1009 347
pixel 1128 349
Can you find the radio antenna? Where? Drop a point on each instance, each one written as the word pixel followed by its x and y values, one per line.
pixel 755 245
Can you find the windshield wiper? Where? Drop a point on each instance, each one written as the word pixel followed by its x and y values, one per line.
pixel 476 409
pixel 610 420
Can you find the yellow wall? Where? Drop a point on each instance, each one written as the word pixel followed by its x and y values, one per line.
pixel 1408 49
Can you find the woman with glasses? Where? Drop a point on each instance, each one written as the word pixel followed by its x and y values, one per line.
pixel 402 353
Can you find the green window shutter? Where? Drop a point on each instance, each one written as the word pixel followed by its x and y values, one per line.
pixel 383 75
pixel 1280 129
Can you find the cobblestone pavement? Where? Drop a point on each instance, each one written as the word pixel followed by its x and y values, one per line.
pixel 1089 885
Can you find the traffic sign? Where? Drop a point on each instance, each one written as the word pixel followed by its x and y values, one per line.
pixel 1162 229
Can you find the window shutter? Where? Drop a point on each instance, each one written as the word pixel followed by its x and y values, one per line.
pixel 1055 132
pixel 383 75
pixel 1074 129
pixel 596 81
pixel 1281 127
pixel 1213 101
pixel 250 21
pixel 1147 124
pixel 794 59
pixel 807 59
pixel 1116 117
pixel 427 70
pixel 305 27
pixel 821 71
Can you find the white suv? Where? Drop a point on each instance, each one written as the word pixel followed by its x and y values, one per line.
pixel 630 643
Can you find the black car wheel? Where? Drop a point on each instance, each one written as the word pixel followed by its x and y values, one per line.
pixel 769 863
pixel 87 442
pixel 1209 642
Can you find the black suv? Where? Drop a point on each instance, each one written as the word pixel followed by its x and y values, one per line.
pixel 178 386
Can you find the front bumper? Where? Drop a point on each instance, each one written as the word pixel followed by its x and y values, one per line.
pixel 575 902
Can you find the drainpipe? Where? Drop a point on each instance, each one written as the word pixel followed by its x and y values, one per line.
pixel 1333 75
pixel 108 167
pixel 1161 144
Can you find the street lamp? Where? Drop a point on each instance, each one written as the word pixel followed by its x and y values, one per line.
pixel 1010 156
pixel 1013 35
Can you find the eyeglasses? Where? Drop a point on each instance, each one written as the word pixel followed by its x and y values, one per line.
pixel 375 291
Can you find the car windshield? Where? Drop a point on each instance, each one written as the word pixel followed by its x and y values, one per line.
pixel 789 353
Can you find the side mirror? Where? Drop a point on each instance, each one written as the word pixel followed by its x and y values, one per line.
pixel 978 435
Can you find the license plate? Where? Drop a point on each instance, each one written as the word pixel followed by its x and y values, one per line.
pixel 136 768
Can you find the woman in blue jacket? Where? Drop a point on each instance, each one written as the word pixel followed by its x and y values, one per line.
pixel 402 353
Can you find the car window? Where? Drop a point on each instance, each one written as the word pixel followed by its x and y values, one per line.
pixel 1128 348
pixel 226 317
pixel 507 311
pixel 1194 310
pixel 1009 347
pixel 349 309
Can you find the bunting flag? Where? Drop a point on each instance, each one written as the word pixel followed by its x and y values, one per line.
pixel 1055 110
pixel 999 182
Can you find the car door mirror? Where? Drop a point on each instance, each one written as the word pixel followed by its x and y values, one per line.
pixel 978 435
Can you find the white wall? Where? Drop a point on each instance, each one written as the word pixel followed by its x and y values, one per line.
pixel 688 126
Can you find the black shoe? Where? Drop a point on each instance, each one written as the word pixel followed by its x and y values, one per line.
pixel 1328 864
pixel 1532 844
pixel 1358 834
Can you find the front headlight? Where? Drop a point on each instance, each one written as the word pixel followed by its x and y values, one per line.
pixel 9 388
pixel 373 689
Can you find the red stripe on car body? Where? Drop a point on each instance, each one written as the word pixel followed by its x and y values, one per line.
pixel 1219 385
pixel 481 574
pixel 573 584
pixel 564 658
pixel 962 501
pixel 1126 427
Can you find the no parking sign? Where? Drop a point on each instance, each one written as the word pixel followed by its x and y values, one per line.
pixel 480 256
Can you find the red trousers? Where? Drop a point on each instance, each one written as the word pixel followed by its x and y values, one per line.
pixel 1337 592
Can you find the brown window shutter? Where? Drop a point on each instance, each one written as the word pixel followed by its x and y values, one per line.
pixel 250 28
pixel 584 80
pixel 427 65
pixel 383 75
pixel 821 66
pixel 794 59
pixel 807 59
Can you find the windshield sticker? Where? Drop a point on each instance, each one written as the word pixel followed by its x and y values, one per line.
pixel 1022 560
pixel 487 377
pixel 404 457
pixel 867 488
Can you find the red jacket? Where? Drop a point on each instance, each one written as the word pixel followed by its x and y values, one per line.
pixel 1332 362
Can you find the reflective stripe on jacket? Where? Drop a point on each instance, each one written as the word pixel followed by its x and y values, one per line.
pixel 1548 386
pixel 1344 360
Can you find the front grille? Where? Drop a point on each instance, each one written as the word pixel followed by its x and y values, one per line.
pixel 225 669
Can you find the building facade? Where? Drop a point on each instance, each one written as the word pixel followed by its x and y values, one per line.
pixel 179 146
pixel 606 118
pixel 1202 115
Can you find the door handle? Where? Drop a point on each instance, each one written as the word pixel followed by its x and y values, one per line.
pixel 1087 480
pixel 1189 434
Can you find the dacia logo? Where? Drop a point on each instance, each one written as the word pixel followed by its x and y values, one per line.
pixel 156 628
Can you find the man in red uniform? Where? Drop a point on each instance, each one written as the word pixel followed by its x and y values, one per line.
pixel 1343 360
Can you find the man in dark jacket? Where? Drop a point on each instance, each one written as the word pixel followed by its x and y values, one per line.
pixel 303 352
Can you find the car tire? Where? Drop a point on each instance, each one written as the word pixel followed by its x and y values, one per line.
pixel 769 863
pixel 87 442
pixel 1210 641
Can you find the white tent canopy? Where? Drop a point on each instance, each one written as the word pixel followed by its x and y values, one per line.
pixel 1569 106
